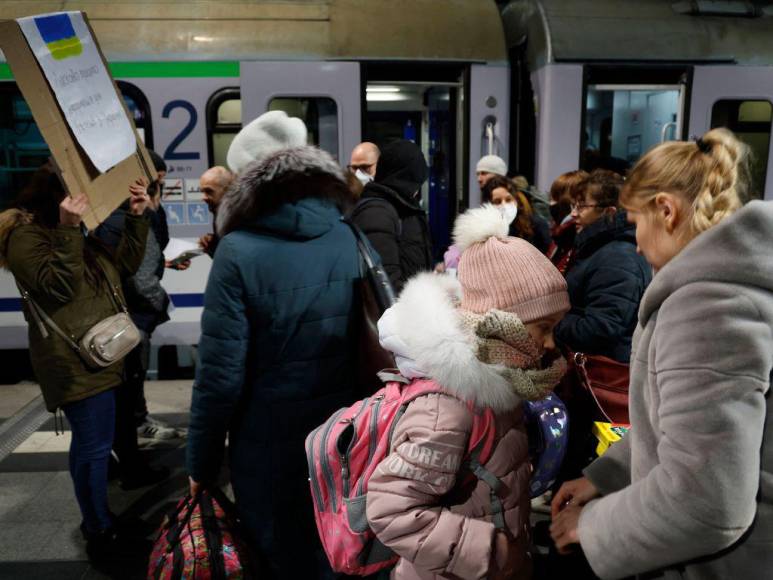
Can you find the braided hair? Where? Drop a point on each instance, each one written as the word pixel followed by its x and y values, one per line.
pixel 711 174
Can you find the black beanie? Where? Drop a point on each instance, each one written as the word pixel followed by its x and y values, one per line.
pixel 402 168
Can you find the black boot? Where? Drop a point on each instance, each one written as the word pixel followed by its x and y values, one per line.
pixel 106 546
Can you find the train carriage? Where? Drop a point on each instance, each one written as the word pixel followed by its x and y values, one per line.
pixel 192 73
pixel 550 85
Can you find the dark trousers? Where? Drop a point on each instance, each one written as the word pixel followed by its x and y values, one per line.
pixel 130 397
pixel 136 370
pixel 92 422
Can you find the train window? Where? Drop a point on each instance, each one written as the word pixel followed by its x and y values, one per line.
pixel 22 147
pixel 320 115
pixel 139 109
pixel 623 122
pixel 751 122
pixel 224 120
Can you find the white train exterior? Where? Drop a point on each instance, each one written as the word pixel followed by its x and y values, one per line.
pixel 538 82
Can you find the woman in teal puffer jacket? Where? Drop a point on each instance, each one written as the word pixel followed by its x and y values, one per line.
pixel 275 355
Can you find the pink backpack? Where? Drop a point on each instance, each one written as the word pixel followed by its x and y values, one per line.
pixel 344 452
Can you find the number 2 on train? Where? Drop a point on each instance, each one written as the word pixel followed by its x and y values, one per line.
pixel 193 116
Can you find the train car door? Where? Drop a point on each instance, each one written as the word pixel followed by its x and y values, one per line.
pixel 628 111
pixel 326 95
pixel 741 99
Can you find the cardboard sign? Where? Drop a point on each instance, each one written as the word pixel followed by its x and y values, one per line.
pixel 104 175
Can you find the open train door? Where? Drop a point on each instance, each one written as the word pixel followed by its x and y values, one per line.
pixel 325 95
pixel 741 99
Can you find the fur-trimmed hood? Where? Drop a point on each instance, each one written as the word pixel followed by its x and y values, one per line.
pixel 238 204
pixel 10 219
pixel 425 332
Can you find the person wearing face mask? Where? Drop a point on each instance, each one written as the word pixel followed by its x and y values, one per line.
pixel 524 223
pixel 390 215
pixel 364 161
pixel 482 338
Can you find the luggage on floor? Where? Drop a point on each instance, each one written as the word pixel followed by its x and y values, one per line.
pixel 198 541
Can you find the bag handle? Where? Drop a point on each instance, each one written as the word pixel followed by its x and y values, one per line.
pixel 579 360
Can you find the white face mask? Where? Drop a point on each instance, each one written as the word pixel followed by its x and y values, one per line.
pixel 365 178
pixel 509 211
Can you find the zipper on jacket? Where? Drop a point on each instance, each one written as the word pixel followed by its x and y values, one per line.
pixel 372 443
pixel 326 470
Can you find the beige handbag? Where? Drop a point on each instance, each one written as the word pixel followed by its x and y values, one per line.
pixel 105 343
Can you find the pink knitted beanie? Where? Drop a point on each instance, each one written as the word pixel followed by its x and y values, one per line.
pixel 504 273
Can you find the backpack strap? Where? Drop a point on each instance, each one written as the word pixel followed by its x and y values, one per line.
pixel 475 464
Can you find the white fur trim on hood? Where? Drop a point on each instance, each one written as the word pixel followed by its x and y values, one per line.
pixel 260 138
pixel 238 203
pixel 476 226
pixel 425 331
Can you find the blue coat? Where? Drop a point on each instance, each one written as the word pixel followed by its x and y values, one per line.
pixel 275 359
pixel 605 284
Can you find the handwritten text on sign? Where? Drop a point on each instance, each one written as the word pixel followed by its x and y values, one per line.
pixel 68 55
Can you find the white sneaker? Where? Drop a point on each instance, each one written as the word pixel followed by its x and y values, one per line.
pixel 154 429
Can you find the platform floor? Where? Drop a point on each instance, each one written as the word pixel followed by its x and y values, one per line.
pixel 39 517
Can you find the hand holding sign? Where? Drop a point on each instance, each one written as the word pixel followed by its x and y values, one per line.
pixel 57 65
pixel 139 196
pixel 71 210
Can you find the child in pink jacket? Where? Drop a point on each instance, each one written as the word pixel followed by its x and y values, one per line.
pixel 482 338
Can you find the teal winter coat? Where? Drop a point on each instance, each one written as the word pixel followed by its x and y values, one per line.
pixel 275 358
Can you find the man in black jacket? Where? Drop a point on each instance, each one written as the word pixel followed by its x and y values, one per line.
pixel 147 302
pixel 390 215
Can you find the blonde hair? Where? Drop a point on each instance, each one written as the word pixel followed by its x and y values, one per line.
pixel 710 174
pixel 521 182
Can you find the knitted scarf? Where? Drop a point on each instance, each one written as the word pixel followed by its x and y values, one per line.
pixel 502 339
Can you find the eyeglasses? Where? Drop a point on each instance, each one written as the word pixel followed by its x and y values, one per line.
pixel 362 167
pixel 581 206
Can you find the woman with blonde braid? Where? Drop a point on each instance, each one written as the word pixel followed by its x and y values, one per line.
pixel 689 492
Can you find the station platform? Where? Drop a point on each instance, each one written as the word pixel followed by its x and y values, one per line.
pixel 39 517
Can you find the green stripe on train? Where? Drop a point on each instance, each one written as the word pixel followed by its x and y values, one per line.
pixel 175 69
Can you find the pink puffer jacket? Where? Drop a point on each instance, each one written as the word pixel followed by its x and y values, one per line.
pixel 411 503
pixel 421 502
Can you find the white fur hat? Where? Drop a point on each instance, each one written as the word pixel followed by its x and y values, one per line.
pixel 487 163
pixel 265 135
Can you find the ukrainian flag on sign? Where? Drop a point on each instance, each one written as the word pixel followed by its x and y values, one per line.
pixel 59 36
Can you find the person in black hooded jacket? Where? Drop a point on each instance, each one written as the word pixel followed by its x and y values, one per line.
pixel 390 215
pixel 607 277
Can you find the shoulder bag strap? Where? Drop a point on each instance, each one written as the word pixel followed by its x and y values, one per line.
pixel 362 246
pixel 579 360
pixel 385 294
pixel 112 291
pixel 40 316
